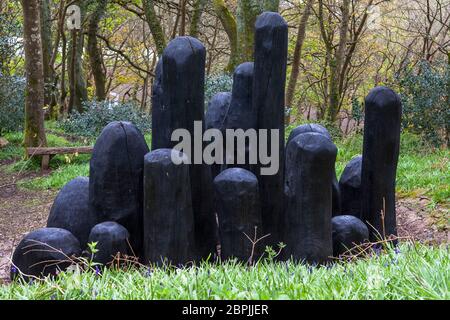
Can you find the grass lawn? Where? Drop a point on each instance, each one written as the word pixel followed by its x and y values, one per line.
pixel 413 271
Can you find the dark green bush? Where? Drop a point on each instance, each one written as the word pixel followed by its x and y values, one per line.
pixel 12 103
pixel 426 104
pixel 98 114
pixel 217 83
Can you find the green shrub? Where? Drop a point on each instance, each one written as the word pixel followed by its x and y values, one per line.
pixel 217 83
pixel 99 114
pixel 426 104
pixel 12 103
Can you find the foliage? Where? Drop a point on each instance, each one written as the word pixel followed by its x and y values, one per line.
pixel 12 103
pixel 98 114
pixel 426 102
pixel 412 271
pixel 217 83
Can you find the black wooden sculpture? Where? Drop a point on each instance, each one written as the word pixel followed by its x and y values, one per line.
pixel 350 186
pixel 314 127
pixel 383 111
pixel 310 159
pixel 70 210
pixel 160 114
pixel 44 252
pixel 183 99
pixel 116 178
pixel 168 216
pixel 348 232
pixel 271 43
pixel 215 119
pixel 238 208
pixel 242 113
pixel 112 241
pixel 142 203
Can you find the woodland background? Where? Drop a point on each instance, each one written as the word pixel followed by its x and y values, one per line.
pixel 338 51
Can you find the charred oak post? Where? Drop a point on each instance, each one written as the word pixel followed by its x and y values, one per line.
pixel 314 127
pixel 112 242
pixel 238 209
pixel 160 115
pixel 183 97
pixel 44 252
pixel 271 43
pixel 215 119
pixel 348 232
pixel 168 216
pixel 350 186
pixel 383 111
pixel 310 159
pixel 242 114
pixel 116 178
pixel 70 210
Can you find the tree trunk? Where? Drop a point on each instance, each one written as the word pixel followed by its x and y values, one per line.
pixel 336 63
pixel 34 135
pixel 240 28
pixel 183 4
pixel 46 38
pixel 229 24
pixel 154 25
pixel 247 11
pixel 199 7
pixel 95 52
pixel 297 54
pixel 77 81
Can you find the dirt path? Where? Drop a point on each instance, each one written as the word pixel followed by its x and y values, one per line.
pixel 22 211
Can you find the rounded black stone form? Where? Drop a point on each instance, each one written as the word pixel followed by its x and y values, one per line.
pixel 168 216
pixel 183 98
pixel 70 210
pixel 238 209
pixel 350 186
pixel 271 50
pixel 215 119
pixel 43 252
pixel 383 111
pixel 310 159
pixel 348 232
pixel 116 178
pixel 112 240
pixel 317 128
pixel 309 127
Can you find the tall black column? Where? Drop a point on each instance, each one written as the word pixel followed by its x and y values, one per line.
pixel 168 216
pixel 310 159
pixel 383 111
pixel 314 127
pixel 271 43
pixel 242 114
pixel 160 115
pixel 183 82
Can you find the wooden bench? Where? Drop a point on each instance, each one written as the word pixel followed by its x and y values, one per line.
pixel 47 153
